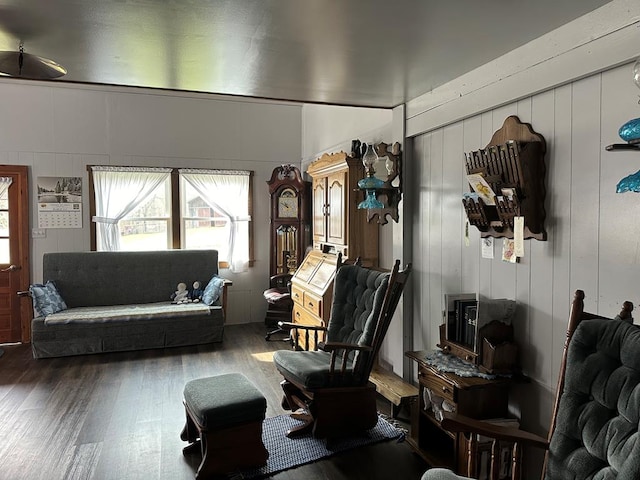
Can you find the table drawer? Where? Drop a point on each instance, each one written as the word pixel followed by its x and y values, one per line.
pixel 437 385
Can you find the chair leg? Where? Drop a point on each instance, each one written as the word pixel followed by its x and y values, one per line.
pixel 267 337
pixel 190 431
pixel 305 427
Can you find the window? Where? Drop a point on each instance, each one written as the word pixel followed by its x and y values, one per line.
pixel 5 252
pixel 137 208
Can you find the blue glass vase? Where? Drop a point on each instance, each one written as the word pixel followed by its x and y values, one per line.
pixel 630 131
pixel 630 183
pixel 370 184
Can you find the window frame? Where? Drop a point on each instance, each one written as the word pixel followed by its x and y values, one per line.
pixel 175 220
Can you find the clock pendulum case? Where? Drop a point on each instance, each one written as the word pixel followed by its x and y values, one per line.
pixel 290 231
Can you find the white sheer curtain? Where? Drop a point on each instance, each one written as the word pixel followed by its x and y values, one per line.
pixel 227 191
pixel 5 182
pixel 119 190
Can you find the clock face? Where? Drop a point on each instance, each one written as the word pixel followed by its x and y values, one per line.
pixel 288 204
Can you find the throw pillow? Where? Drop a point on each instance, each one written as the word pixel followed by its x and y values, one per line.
pixel 213 290
pixel 46 299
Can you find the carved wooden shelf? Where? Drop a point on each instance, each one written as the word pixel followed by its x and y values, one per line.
pixel 513 161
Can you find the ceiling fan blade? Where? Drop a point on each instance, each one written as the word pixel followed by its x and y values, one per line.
pixel 33 66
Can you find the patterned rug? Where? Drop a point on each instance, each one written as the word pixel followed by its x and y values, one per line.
pixel 286 453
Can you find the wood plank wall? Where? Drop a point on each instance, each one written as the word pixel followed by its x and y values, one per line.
pixel 593 233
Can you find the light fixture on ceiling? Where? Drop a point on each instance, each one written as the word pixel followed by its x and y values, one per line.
pixel 25 65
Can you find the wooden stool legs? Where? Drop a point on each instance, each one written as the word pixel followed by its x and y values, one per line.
pixel 224 450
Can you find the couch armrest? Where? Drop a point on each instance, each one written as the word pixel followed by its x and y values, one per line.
pixel 225 285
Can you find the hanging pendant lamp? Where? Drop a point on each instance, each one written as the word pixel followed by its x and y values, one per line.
pixel 24 65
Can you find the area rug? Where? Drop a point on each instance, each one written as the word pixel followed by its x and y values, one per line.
pixel 286 453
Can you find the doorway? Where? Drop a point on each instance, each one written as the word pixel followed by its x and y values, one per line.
pixel 15 268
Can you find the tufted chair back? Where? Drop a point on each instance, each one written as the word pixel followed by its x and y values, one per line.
pixel 357 302
pixel 596 428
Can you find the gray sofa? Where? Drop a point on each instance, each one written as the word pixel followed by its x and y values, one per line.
pixel 89 281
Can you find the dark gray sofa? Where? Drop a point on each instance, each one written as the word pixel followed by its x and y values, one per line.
pixel 94 279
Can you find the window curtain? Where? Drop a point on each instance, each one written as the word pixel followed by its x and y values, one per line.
pixel 5 182
pixel 118 191
pixel 227 191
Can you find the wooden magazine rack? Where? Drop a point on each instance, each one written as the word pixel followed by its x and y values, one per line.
pixel 512 165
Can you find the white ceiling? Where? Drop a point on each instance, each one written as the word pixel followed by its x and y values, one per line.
pixel 378 53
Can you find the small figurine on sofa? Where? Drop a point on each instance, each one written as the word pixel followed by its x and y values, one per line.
pixel 195 294
pixel 181 295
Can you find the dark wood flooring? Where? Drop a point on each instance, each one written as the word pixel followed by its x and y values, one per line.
pixel 119 415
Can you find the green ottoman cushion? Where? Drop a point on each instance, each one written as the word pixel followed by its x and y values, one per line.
pixel 224 400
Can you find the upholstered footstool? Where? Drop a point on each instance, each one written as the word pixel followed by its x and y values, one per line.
pixel 224 420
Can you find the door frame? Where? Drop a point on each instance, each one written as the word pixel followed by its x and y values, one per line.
pixel 22 258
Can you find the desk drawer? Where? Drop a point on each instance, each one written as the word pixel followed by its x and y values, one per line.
pixel 437 385
pixel 313 304
pixel 297 294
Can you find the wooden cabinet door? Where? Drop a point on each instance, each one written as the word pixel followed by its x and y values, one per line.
pixel 319 199
pixel 337 210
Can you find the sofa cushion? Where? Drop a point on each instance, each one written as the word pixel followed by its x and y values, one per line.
pixel 213 290
pixel 46 299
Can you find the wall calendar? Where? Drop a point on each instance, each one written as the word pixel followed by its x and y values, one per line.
pixel 59 202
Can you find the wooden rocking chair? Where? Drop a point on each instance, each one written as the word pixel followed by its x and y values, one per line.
pixel 330 386
pixel 594 426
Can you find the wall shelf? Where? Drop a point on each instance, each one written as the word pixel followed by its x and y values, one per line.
pixel 622 146
pixel 512 173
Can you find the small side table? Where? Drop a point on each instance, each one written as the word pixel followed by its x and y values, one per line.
pixel 474 397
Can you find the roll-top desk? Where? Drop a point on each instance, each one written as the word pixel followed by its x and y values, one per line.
pixel 312 292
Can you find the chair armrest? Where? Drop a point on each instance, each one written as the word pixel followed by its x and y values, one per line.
pixel 301 326
pixel 347 348
pixel 459 423
pixel 331 346
pixel 306 329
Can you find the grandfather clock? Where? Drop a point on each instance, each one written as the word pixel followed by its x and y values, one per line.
pixel 290 212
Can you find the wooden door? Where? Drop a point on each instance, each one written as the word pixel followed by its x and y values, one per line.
pixel 15 313
pixel 337 213
pixel 319 203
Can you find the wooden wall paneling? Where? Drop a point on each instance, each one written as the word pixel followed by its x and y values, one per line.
pixel 43 165
pixel 540 280
pixel 486 265
pixel 69 239
pixel 436 245
pixel 584 215
pixel 452 213
pixel 503 274
pixel 420 208
pixel 472 254
pixel 558 180
pixel 619 230
pixel 522 293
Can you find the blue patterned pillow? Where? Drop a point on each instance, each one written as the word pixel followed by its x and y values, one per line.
pixel 213 290
pixel 46 299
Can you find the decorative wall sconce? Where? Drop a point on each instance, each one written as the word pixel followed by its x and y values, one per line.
pixel 630 133
pixel 383 183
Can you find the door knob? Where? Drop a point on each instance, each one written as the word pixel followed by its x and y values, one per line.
pixel 10 268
